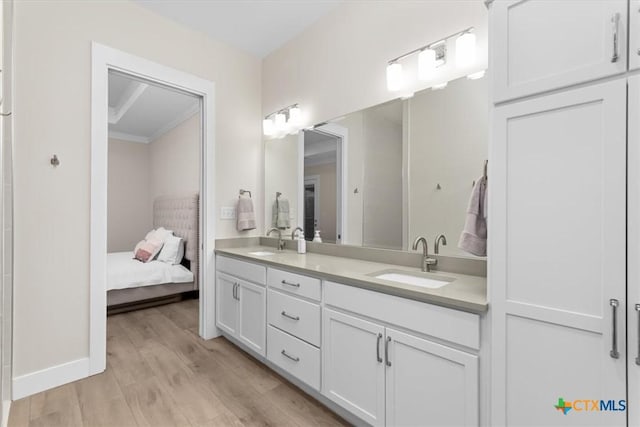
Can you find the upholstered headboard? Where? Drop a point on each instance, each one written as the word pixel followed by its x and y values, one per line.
pixel 181 215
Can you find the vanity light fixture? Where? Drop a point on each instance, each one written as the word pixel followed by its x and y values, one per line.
pixel 439 86
pixel 465 49
pixel 283 122
pixel 432 56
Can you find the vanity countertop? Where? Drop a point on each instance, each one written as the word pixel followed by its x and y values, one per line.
pixel 467 293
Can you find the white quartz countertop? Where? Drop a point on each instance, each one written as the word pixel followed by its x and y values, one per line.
pixel 467 293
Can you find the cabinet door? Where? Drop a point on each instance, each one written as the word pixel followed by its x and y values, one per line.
pixel 540 45
pixel 226 304
pixel 353 365
pixel 252 321
pixel 633 253
pixel 634 35
pixel 557 258
pixel 429 384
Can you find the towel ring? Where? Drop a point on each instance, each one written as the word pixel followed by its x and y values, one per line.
pixel 242 192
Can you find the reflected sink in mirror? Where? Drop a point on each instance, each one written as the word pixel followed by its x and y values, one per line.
pixel 261 253
pixel 424 280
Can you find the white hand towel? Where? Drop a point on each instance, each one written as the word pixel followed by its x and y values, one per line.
pixel 280 214
pixel 245 216
pixel 474 236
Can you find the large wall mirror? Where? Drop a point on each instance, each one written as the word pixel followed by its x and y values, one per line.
pixel 379 177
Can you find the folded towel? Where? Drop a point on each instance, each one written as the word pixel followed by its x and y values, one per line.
pixel 474 236
pixel 280 213
pixel 245 216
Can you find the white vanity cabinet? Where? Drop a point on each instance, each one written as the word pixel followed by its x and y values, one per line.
pixel 541 45
pixel 389 376
pixel 240 303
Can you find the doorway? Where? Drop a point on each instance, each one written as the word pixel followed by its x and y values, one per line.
pixel 311 205
pixel 104 60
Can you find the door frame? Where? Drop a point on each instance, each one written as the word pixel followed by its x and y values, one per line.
pixel 342 134
pixel 103 59
pixel 315 180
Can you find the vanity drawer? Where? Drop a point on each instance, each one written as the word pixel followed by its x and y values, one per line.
pixel 294 356
pixel 299 318
pixel 244 270
pixel 445 323
pixel 296 284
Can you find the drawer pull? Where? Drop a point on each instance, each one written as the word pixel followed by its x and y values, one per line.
pixel 386 351
pixel 378 348
pixel 614 326
pixel 615 24
pixel 285 354
pixel 295 285
pixel 638 356
pixel 288 316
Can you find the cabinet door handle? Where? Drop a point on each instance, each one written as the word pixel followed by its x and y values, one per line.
pixel 287 355
pixel 614 324
pixel 234 290
pixel 638 356
pixel 378 348
pixel 615 28
pixel 295 285
pixel 288 316
pixel 386 351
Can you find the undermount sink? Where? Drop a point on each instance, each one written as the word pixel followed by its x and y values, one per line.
pixel 424 280
pixel 261 253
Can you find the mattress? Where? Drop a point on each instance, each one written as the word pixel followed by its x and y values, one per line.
pixel 123 271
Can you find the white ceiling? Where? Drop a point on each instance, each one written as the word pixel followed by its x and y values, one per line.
pixel 141 112
pixel 255 26
pixel 319 148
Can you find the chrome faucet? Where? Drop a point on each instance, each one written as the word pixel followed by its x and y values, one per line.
pixel 426 261
pixel 280 241
pixel 436 248
pixel 293 233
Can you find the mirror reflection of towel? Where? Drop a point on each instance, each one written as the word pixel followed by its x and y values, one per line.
pixel 246 217
pixel 280 213
pixel 474 236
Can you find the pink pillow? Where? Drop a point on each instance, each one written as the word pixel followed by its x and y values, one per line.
pixel 146 250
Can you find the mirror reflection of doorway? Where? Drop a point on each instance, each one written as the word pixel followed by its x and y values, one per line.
pixel 311 205
pixel 322 185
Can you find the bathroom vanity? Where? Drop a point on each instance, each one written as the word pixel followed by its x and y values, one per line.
pixel 380 351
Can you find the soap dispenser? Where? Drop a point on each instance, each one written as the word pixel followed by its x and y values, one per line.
pixel 316 237
pixel 302 243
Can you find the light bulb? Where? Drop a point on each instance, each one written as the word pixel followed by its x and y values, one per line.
pixel 465 49
pixel 267 127
pixel 394 77
pixel 426 64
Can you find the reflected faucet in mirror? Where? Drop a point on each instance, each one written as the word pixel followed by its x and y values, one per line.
pixel 436 247
pixel 426 261
pixel 280 241
pixel 293 233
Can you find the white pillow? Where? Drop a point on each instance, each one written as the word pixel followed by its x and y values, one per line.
pixel 173 250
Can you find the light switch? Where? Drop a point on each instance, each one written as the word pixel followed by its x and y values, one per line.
pixel 228 212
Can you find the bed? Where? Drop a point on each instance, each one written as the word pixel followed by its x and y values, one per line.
pixel 132 283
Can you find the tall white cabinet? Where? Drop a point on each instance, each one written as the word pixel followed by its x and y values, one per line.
pixel 564 324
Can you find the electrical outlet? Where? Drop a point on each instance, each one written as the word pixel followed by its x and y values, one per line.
pixel 227 212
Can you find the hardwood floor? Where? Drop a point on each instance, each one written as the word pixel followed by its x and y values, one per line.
pixel 160 373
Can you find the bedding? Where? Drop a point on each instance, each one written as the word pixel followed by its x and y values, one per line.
pixel 123 271
pixel 173 250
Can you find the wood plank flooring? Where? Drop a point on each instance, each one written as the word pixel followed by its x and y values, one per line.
pixel 160 373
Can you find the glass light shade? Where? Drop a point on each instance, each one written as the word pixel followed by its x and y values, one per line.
pixel 267 127
pixel 394 77
pixel 426 64
pixel 281 122
pixel 476 76
pixel 295 116
pixel 465 49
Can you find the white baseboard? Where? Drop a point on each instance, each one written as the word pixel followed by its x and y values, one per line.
pixel 38 381
pixel 6 407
